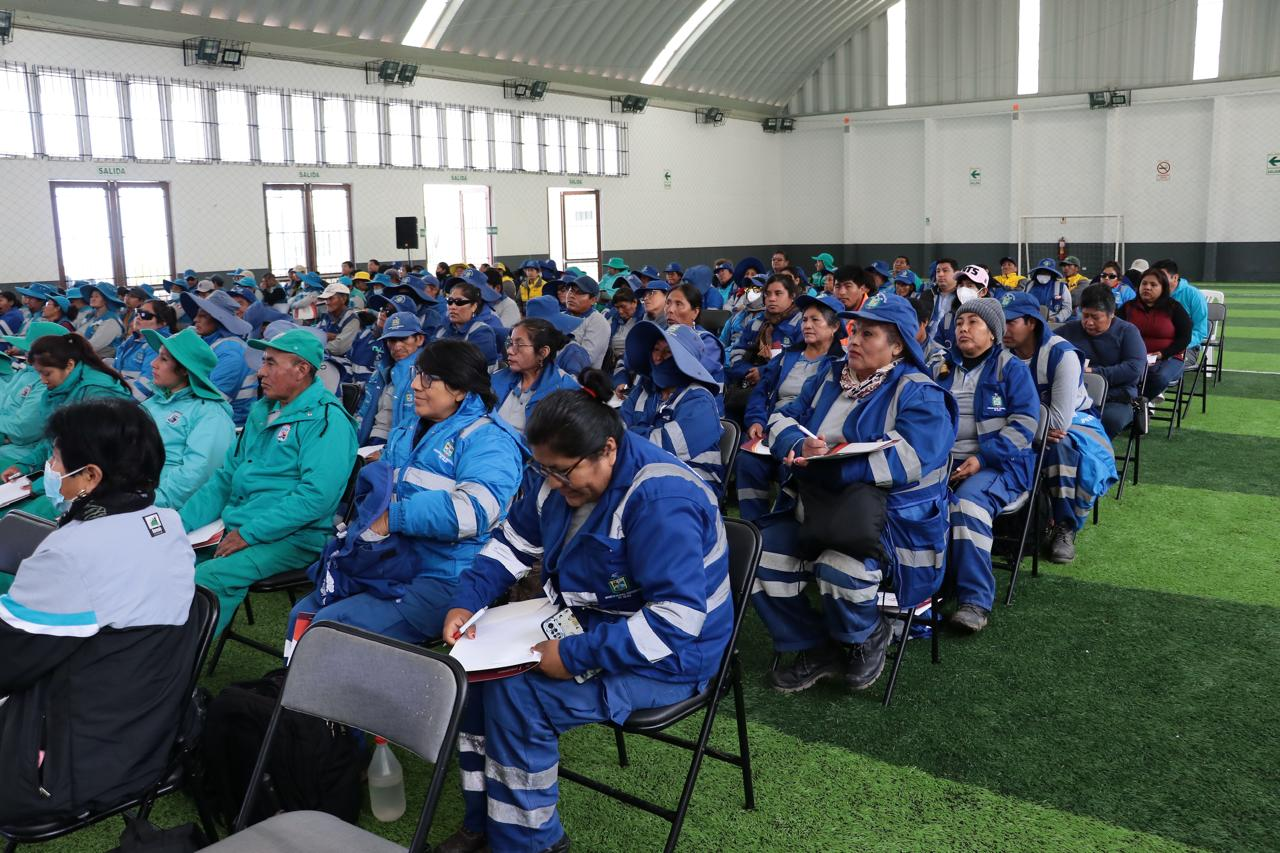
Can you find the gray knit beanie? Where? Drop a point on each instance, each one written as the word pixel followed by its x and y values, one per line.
pixel 990 311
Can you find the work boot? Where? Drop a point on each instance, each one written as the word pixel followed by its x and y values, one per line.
pixel 866 660
pixel 561 846
pixel 464 841
pixel 970 618
pixel 807 669
pixel 1063 548
pixel 1047 537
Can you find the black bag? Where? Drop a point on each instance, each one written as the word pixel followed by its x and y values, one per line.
pixel 139 836
pixel 313 765
pixel 849 520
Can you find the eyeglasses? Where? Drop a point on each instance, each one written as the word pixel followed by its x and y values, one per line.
pixel 427 379
pixel 512 343
pixel 452 301
pixel 563 476
pixel 1109 275
pixel 145 315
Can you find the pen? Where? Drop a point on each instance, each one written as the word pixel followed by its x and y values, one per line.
pixel 466 626
pixel 806 432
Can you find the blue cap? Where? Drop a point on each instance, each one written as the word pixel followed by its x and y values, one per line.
pixel 1019 303
pixel 530 263
pixel 641 287
pixel 245 292
pixel 402 324
pixel 904 277
pixel 74 292
pixel 189 273
pixel 881 268
pixel 548 308
pixel 586 284
pixel 685 346
pixel 894 309
pixel 647 271
pixel 219 305
pixel 724 266
pixel 804 301
pixel 675 268
pixel 383 279
pixel 1048 265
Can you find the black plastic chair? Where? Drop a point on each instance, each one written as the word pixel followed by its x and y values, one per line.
pixel 744 544
pixel 409 695
pixel 204 608
pixel 730 439
pixel 713 319
pixel 891 609
pixel 1024 517
pixel 352 396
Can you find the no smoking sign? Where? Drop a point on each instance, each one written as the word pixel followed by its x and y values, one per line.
pixel 1162 170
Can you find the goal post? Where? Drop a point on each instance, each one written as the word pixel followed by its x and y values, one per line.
pixel 1093 238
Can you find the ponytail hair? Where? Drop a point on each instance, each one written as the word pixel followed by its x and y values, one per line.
pixel 576 422
pixel 164 313
pixel 57 351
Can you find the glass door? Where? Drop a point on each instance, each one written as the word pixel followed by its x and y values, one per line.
pixel 580 230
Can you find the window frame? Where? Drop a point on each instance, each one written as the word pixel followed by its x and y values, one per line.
pixel 115 229
pixel 308 216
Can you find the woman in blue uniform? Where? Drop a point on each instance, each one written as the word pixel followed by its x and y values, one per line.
pixel 684 308
pixel 656 624
pixel 674 404
pixel 388 399
pixel 880 391
pixel 464 303
pixel 133 356
pixel 531 372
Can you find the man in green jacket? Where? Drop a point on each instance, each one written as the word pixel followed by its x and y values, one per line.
pixel 280 484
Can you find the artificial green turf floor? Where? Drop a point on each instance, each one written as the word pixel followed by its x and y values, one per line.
pixel 1127 701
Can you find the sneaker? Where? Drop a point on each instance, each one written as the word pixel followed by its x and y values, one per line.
pixel 464 841
pixel 807 669
pixel 866 660
pixel 1063 547
pixel 970 618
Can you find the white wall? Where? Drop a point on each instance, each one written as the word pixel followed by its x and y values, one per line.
pixel 722 177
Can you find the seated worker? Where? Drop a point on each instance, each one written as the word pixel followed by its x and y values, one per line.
pixel 464 303
pixel 531 372
pixel 444 482
pixel 1048 288
pixel 878 391
pixel 22 414
pixel 653 297
pixel 12 317
pixel 214 319
pixel 881 274
pixel 1116 280
pixel 703 280
pixel 594 333
pixel 503 306
pixel 571 357
pixel 280 483
pixel 388 397
pixel 993 458
pixel 622 319
pixel 935 356
pixel 773 329
pixel 71 372
pixel 852 286
pixel 341 326
pixel 133 356
pixel 1193 302
pixel 904 284
pixel 946 299
pixel 531 284
pixel 192 415
pixel 1112 348
pixel 103 323
pixel 1071 276
pixel 684 308
pixel 656 621
pixel 1009 279
pixel 1079 462
pixel 1165 327
pixel 674 401
pixel 96 636
pixel 58 309
pixel 781 381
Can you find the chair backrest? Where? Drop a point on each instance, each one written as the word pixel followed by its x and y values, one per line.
pixel 352 394
pixel 347 506
pixel 1095 384
pixel 1044 312
pixel 1217 312
pixel 1213 296
pixel 745 546
pixel 20 535
pixel 1042 425
pixel 730 438
pixel 713 319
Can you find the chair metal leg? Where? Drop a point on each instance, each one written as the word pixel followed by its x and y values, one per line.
pixel 744 746
pixel 897 658
pixel 248 610
pixel 935 624
pixel 222 643
pixel 620 739
pixel 1137 457
pixel 11 846
pixel 691 779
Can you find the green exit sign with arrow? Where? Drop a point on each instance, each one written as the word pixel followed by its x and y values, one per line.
pixel 1273 163
pixel 975 176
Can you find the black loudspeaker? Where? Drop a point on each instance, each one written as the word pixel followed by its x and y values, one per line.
pixel 406 232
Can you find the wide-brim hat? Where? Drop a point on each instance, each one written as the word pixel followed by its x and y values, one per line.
pixel 898 312
pixel 617 263
pixel 749 262
pixel 108 292
pixel 675 268
pixel 38 290
pixel 548 308
pixel 700 276
pixel 218 305
pixel 827 261
pixel 684 343
pixel 36 330
pixel 198 358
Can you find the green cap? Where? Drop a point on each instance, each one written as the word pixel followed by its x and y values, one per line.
pixel 189 350
pixel 299 342
pixel 1071 259
pixel 827 261
pixel 37 330
pixel 617 263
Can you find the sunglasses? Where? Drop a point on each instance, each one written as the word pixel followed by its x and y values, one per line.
pixel 452 301
pixel 145 315
pixel 1109 275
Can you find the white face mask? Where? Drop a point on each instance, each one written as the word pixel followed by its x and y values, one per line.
pixel 53 486
pixel 964 293
pixel 1043 277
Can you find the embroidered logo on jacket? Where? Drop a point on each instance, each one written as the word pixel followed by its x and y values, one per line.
pixel 283 432
pixel 154 525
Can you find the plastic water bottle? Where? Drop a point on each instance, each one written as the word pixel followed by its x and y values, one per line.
pixel 386 783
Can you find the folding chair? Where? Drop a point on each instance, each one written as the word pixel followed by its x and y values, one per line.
pixel 907 615
pixel 1214 350
pixel 407 694
pixel 1171 411
pixel 352 395
pixel 1097 387
pixel 204 609
pixel 730 439
pixel 1138 427
pixel 1023 516
pixel 713 319
pixel 20 534
pixel 744 555
pixel 1199 378
pixel 290 582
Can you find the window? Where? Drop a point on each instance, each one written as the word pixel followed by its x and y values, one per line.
pixel 233 125
pixel 529 153
pixel 15 113
pixel 573 217
pixel 457 224
pixel 591 147
pixel 146 120
pixel 186 105
pixel 551 144
pixel 479 139
pixel 400 130
pixel 897 50
pixel 1028 47
pixel 336 147
pixel 302 115
pixel 612 154
pixel 504 145
pixel 113 231
pixel 58 114
pixel 308 224
pixel 572 147
pixel 271 131
pixel 429 136
pixel 1208 39
pixel 455 138
pixel 106 127
pixel 368 133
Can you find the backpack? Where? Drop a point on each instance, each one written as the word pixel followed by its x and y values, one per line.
pixel 314 764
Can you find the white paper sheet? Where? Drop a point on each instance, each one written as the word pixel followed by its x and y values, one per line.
pixel 856 448
pixel 370 449
pixel 210 534
pixel 14 491
pixel 504 636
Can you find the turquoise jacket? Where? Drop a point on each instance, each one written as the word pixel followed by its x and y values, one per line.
pixel 21 415
pixel 196 433
pixel 83 383
pixel 284 478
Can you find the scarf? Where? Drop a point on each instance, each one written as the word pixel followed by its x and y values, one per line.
pixel 856 389
pixel 96 505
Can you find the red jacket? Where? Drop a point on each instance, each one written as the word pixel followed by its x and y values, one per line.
pixel 1165 329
